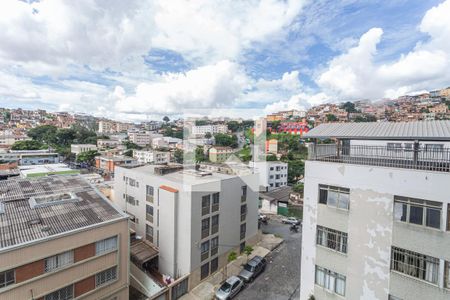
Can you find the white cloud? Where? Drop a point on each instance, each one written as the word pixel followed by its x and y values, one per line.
pixel 300 101
pixel 217 85
pixel 355 75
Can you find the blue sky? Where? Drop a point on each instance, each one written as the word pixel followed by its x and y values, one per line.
pixel 151 58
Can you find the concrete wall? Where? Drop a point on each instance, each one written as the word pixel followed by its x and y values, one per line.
pixel 370 227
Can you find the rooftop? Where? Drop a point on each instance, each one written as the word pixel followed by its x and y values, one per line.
pixel 419 130
pixel 42 208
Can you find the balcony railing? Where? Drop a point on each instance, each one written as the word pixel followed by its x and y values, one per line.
pixel 214 251
pixel 149 198
pixel 214 229
pixel 149 218
pixel 407 158
pixel 215 207
pixel 242 235
pixel 205 233
pixel 204 255
pixel 205 210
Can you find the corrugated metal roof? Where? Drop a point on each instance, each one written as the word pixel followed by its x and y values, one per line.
pixel 420 130
pixel 20 223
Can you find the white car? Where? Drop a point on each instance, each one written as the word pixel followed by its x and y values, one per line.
pixel 230 288
pixel 290 220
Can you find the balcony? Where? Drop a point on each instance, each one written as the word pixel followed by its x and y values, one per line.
pixel 215 207
pixel 205 210
pixel 204 255
pixel 214 251
pixel 149 218
pixel 205 233
pixel 419 158
pixel 149 198
pixel 214 229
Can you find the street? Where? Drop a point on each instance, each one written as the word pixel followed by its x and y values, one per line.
pixel 281 279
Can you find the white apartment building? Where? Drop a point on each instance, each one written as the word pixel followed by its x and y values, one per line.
pixel 105 127
pixel 213 129
pixel 151 157
pixel 104 143
pixel 194 218
pixel 377 212
pixel 143 138
pixel 80 148
pixel 272 174
pixel 166 142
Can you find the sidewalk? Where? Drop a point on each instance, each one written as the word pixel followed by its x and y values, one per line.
pixel 207 289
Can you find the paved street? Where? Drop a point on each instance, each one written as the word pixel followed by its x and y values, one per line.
pixel 281 279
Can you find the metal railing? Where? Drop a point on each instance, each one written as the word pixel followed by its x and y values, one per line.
pixel 149 218
pixel 149 198
pixel 214 229
pixel 214 251
pixel 394 157
pixel 205 210
pixel 215 207
pixel 205 232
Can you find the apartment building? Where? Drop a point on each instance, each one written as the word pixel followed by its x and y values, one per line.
pixel 377 212
pixel 30 157
pixel 211 128
pixel 194 218
pixel 105 127
pixel 151 157
pixel 108 163
pixel 61 239
pixel 80 148
pixel 104 143
pixel 140 138
pixel 220 154
pixel 272 174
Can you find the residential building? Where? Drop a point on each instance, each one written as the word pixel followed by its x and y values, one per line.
pixel 80 148
pixel 260 126
pixel 445 93
pixel 107 164
pixel 211 128
pixel 61 239
pixel 220 154
pixel 272 146
pixel 105 127
pixel 166 142
pixel 275 201
pixel 377 212
pixel 439 109
pixel 293 127
pixel 194 218
pixel 151 156
pixel 140 138
pixel 272 174
pixel 110 143
pixel 30 157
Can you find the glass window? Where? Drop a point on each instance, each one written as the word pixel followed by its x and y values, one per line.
pixel 58 261
pixel 330 280
pixel 105 276
pixel 66 293
pixel 447 275
pixel 415 264
pixel 216 197
pixel 149 209
pixel 106 245
pixel 334 196
pixel 332 239
pixel 149 190
pixel 215 242
pixel 7 278
pixel 214 264
pixel 416 211
pixel 204 271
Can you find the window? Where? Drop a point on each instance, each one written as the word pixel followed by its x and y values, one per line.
pixel 215 204
pixel 243 230
pixel 204 250
pixel 205 228
pixel 149 193
pixel 334 196
pixel 7 278
pixel 415 264
pixel 448 217
pixel 332 239
pixel 394 298
pixel 243 212
pixel 244 193
pixel 417 211
pixel 206 201
pixel 214 245
pixel 214 224
pixel 65 293
pixel 180 289
pixel 149 213
pixel 58 261
pixel 214 264
pixel 446 275
pixel 204 272
pixel 131 200
pixel 106 245
pixel 105 276
pixel 330 280
pixel 149 233
pixel 132 182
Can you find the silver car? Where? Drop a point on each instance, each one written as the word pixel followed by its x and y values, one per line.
pixel 229 288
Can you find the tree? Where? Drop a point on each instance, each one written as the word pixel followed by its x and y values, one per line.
pixel 298 188
pixel 28 145
pixel 365 118
pixel 199 155
pixel 166 119
pixel 128 153
pixel 296 169
pixel 248 250
pixel 87 156
pixel 178 156
pixel 201 122
pixel 45 134
pixel 65 137
pixel 271 157
pixel 223 139
pixel 130 145
pixel 232 256
pixel 331 118
pixel 6 116
pixel 208 135
pixel 233 126
pixel 349 107
pixel 275 125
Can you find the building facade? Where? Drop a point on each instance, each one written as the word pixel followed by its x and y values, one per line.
pixel 213 129
pixel 72 244
pixel 272 174
pixel 376 210
pixel 220 154
pixel 194 218
pixel 80 148
pixel 151 157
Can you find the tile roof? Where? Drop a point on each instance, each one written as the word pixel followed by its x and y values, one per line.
pixel 421 130
pixel 20 222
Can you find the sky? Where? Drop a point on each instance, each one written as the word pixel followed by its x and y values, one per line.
pixel 139 60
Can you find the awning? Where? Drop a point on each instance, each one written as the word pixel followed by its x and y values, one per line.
pixel 142 251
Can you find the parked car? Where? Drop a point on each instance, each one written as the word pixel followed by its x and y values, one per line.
pixel 253 268
pixel 290 220
pixel 230 288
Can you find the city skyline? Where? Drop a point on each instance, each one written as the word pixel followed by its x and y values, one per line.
pixel 151 58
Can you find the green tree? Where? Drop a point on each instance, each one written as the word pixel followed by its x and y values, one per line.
pixel 275 125
pixel 233 126
pixel 208 135
pixel 87 156
pixel 271 157
pixel 223 139
pixel 199 154
pixel 298 188
pixel 232 256
pixel 128 153
pixel 166 119
pixel 130 145
pixel 6 116
pixel 296 169
pixel 248 250
pixel 201 122
pixel 45 134
pixel 349 107
pixel 65 137
pixel 28 145
pixel 178 156
pixel 331 118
